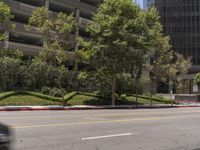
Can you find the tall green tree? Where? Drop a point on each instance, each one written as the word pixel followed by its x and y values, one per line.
pixel 138 48
pixel 177 70
pixel 116 22
pixel 160 53
pixel 165 65
pixel 56 56
pixel 56 37
pixel 160 62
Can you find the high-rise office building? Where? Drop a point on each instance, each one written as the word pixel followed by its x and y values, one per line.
pixel 181 21
pixel 30 42
pixel 147 3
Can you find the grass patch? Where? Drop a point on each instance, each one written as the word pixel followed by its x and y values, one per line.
pixel 41 95
pixel 142 100
pixel 26 100
pixel 73 98
pixel 35 94
pixel 7 94
pixel 80 99
pixel 92 99
pixel 155 99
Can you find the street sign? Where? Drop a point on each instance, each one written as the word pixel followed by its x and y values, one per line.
pixel 195 88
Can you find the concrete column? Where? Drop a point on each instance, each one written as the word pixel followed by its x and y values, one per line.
pixel 6 40
pixel 77 16
pixel 47 6
pixel 47 3
pixel 75 68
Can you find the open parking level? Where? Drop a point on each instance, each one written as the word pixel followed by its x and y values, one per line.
pixel 143 129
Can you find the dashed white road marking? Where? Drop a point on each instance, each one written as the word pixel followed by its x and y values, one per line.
pixel 107 136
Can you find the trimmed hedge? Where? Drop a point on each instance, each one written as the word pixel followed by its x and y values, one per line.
pixel 36 94
pixel 26 100
pixel 70 95
pixel 162 100
pixel 41 95
pixel 7 94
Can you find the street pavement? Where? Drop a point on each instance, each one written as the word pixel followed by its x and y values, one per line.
pixel 127 129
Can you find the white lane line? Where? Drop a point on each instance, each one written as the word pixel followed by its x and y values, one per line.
pixel 106 136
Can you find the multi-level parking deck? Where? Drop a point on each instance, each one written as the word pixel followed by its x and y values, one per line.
pixel 30 42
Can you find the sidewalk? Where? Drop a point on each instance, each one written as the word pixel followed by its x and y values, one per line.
pixel 85 107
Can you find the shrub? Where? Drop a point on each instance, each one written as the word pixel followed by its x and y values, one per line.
pixel 53 91
pixel 42 75
pixel 57 92
pixel 40 95
pixel 125 84
pixel 123 97
pixel 45 90
pixel 9 73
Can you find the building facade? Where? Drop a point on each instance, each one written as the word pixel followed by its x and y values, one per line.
pixel 30 42
pixel 147 3
pixel 181 21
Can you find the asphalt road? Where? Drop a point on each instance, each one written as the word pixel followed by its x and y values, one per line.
pixel 157 129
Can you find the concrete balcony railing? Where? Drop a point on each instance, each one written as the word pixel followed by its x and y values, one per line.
pixel 32 50
pixel 70 3
pixel 20 27
pixel 18 6
pixel 87 8
pixel 83 22
pixel 27 49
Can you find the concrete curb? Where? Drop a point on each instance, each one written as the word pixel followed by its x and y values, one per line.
pixel 59 108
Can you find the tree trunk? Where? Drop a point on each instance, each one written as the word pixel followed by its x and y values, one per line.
pixel 136 92
pixel 60 86
pixel 75 74
pixel 171 92
pixel 153 89
pixel 113 90
pixel 63 101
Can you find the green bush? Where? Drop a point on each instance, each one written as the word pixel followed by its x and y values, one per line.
pixel 10 69
pixel 41 75
pixel 45 90
pixel 125 84
pixel 123 97
pixel 57 92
